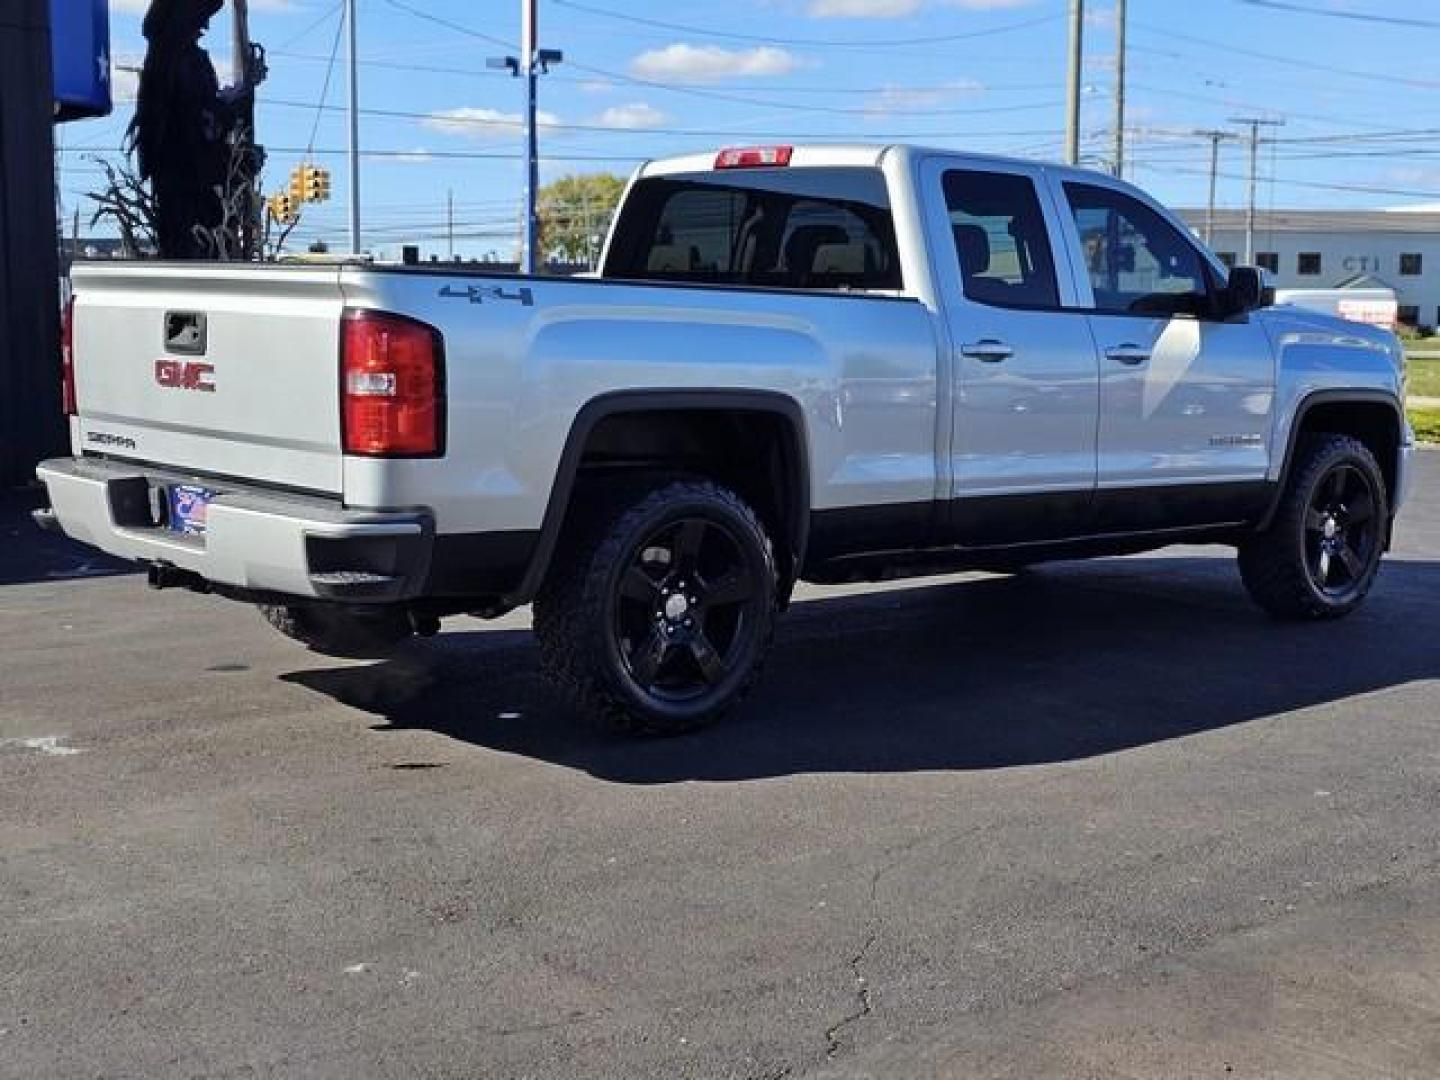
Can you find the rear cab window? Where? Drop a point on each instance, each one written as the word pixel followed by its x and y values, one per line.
pixel 813 228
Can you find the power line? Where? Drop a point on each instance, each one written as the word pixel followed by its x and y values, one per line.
pixel 775 39
pixel 692 91
pixel 330 11
pixel 1364 189
pixel 1336 13
pixel 517 123
pixel 891 88
pixel 325 87
pixel 457 27
pixel 418 155
pixel 1230 48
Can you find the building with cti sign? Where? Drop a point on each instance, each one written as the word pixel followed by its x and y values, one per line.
pixel 1341 249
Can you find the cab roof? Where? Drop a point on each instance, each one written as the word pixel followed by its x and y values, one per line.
pixel 817 155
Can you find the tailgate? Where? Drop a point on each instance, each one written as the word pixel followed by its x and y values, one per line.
pixel 230 370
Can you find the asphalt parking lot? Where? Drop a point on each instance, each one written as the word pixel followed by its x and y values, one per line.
pixel 1100 820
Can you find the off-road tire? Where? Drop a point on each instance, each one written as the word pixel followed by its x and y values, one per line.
pixel 578 609
pixel 338 630
pixel 1275 564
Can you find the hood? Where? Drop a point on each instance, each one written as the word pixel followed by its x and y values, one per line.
pixel 1319 327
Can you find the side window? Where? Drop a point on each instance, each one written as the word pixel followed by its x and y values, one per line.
pixel 1000 239
pixel 1137 261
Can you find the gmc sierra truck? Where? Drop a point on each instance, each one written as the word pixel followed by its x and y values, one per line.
pixel 796 363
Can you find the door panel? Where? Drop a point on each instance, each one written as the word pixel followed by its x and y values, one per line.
pixel 1026 376
pixel 1195 408
pixel 1185 398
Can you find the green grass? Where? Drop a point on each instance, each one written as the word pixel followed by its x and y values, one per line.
pixel 1426 423
pixel 1425 377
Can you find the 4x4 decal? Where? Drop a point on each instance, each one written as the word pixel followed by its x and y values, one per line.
pixel 478 294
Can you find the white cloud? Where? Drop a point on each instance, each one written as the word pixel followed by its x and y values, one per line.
pixel 484 123
pixel 707 63
pixel 894 99
pixel 634 117
pixel 897 9
pixel 863 9
pixel 419 156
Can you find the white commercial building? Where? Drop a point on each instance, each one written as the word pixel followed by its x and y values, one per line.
pixel 1339 249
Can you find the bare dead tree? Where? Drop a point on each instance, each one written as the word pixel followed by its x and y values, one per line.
pixel 225 241
pixel 126 201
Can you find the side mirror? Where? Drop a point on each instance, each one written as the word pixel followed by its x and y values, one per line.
pixel 1245 291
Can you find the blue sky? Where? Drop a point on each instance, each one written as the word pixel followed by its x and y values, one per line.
pixel 646 78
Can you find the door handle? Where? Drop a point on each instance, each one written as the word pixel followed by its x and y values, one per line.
pixel 1128 354
pixel 988 350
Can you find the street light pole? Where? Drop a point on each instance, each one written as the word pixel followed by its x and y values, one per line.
pixel 1072 105
pixel 529 65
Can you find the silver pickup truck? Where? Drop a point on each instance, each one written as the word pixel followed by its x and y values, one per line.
pixel 817 363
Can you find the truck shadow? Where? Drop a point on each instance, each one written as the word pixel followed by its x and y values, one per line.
pixel 29 554
pixel 1070 662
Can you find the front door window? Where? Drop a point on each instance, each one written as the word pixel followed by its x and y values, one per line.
pixel 1137 262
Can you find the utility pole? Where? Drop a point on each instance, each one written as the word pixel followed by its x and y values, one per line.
pixel 528 38
pixel 1072 104
pixel 1215 137
pixel 247 61
pixel 354 132
pixel 531 63
pixel 1120 89
pixel 1255 124
pixel 450 219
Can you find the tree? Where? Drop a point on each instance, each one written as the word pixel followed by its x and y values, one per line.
pixel 575 215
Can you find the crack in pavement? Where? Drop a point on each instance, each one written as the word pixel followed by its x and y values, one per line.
pixel 864 1004
pixel 864 999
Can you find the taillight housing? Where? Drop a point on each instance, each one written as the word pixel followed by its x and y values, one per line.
pixel 392 386
pixel 67 358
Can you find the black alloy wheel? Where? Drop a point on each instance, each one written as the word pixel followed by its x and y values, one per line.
pixel 660 604
pixel 1341 532
pixel 1318 556
pixel 685 608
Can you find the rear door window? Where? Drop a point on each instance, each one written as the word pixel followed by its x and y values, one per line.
pixel 825 229
pixel 1000 239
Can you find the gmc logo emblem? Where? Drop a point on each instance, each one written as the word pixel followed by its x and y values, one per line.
pixel 185 375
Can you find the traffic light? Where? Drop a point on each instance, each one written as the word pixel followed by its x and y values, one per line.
pixel 297 185
pixel 283 208
pixel 316 183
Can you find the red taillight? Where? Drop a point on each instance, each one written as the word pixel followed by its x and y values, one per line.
pixel 391 386
pixel 753 157
pixel 67 358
